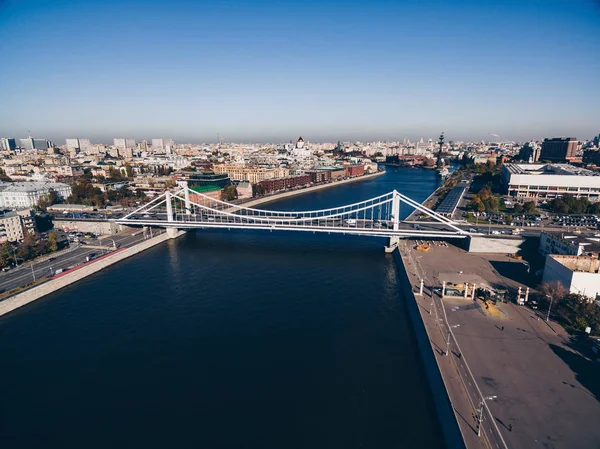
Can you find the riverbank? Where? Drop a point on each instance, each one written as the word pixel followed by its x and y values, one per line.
pixel 279 196
pixel 35 292
pixel 444 403
pixel 76 274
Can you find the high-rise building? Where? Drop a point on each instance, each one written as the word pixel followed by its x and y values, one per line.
pixel 72 144
pixel 7 144
pixel 85 145
pixel 119 143
pixel 143 145
pixel 130 143
pixel 559 149
pixel 162 144
pixel 26 144
pixel 41 144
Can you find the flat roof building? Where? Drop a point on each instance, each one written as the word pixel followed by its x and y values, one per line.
pixel 559 149
pixel 549 181
pixel 578 274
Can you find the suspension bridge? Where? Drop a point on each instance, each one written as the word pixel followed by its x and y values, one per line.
pixel 377 217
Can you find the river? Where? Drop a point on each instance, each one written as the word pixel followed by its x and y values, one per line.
pixel 226 339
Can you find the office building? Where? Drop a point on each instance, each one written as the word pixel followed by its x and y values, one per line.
pixel 26 144
pixel 549 181
pixel 7 144
pixel 560 149
pixel 41 144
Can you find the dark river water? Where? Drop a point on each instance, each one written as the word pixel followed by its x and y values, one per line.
pixel 226 339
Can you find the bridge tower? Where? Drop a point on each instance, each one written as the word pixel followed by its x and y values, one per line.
pixel 394 240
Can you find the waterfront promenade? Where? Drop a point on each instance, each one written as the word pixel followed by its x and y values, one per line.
pixel 544 393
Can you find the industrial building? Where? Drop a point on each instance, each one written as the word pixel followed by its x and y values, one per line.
pixel 578 274
pixel 549 181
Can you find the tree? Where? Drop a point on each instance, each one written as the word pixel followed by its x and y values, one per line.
pixel 4 177
pixel 378 154
pixel 229 193
pixel 517 209
pixel 553 292
pixel 258 190
pixel 48 199
pixel 529 208
pixel 52 242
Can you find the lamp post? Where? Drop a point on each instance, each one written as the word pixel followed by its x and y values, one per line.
pixel 549 308
pixel 487 398
pixel 448 340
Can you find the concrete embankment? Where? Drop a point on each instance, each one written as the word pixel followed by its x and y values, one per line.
pixel 448 422
pixel 279 196
pixel 23 298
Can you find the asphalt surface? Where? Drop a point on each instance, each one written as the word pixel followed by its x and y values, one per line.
pixel 49 264
pixel 547 392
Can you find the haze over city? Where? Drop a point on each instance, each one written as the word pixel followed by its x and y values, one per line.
pixel 265 71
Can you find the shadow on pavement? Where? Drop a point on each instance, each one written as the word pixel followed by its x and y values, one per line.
pixel 517 271
pixel 587 372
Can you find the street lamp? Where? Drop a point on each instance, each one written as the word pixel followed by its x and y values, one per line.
pixel 549 308
pixel 448 340
pixel 486 398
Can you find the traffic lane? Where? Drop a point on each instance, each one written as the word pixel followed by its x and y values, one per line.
pixel 23 274
pixel 512 359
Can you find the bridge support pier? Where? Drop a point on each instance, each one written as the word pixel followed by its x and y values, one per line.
pixel 173 233
pixel 394 241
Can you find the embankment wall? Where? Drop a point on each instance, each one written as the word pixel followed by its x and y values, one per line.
pixel 443 405
pixel 23 298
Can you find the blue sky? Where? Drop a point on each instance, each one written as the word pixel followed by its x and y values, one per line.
pixel 269 71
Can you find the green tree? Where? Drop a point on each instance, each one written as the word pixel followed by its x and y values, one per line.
pixel 229 193
pixel 48 199
pixel 52 241
pixel 529 208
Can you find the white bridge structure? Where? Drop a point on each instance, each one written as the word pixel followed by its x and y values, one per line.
pixel 377 217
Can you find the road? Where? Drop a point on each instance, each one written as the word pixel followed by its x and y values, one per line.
pixel 69 258
pixel 546 392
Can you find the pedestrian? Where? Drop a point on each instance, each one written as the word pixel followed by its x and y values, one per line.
pixel 503 328
pixel 510 427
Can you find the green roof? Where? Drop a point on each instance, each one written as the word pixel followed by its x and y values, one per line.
pixel 203 189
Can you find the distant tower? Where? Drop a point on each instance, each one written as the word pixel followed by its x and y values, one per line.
pixel 300 143
pixel 439 156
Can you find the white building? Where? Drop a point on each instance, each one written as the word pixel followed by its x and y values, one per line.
pixel 578 274
pixel 121 143
pixel 72 144
pixel 549 181
pixel 568 245
pixel 21 195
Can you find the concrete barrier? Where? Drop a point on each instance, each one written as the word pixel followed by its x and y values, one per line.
pixel 445 412
pixel 23 298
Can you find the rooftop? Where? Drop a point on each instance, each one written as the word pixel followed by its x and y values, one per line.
pixel 582 264
pixel 548 169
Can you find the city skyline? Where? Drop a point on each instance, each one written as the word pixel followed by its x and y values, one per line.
pixel 327 71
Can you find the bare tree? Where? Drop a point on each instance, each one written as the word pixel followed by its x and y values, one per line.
pixel 554 291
